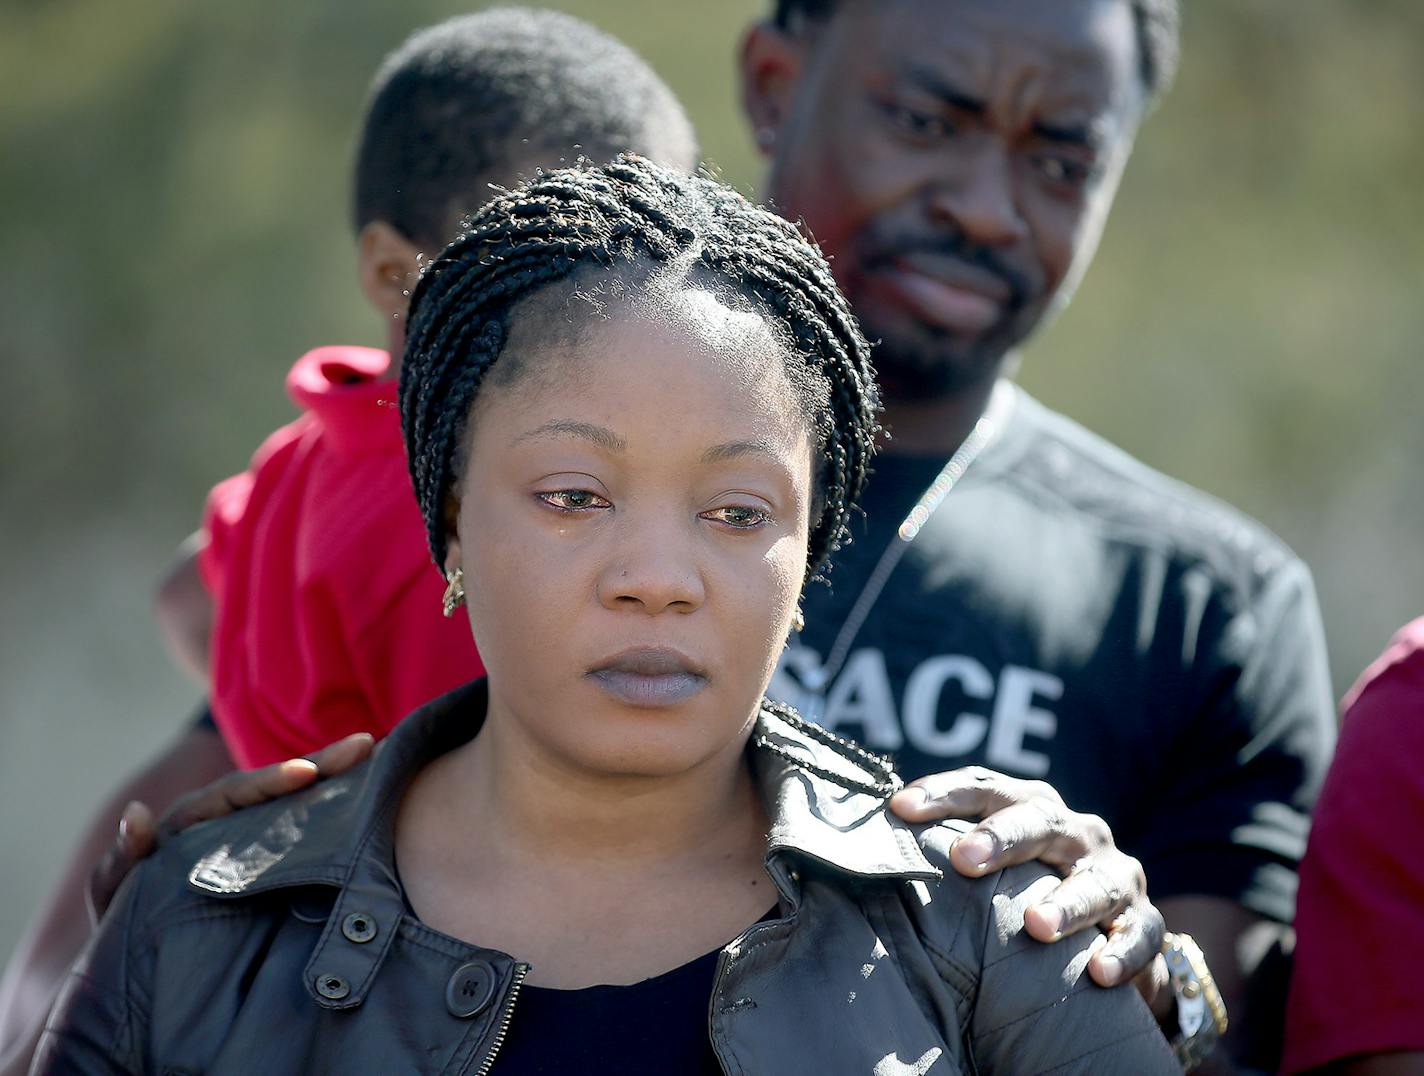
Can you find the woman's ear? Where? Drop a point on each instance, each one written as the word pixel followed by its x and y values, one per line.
pixel 772 61
pixel 454 557
pixel 389 265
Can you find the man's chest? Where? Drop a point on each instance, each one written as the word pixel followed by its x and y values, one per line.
pixel 1042 658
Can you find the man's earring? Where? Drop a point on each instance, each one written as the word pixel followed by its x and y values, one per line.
pixel 454 591
pixel 798 621
pixel 766 137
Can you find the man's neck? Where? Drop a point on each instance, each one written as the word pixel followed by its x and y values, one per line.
pixel 933 426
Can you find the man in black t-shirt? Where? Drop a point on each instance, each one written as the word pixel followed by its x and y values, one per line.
pixel 1072 616
pixel 1021 594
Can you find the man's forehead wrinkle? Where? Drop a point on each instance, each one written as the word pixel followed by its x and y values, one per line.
pixel 1064 71
pixel 957 91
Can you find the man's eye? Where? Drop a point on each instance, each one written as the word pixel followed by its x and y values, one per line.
pixel 918 124
pixel 1063 171
pixel 573 500
pixel 742 517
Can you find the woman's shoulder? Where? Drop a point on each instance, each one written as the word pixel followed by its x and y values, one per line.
pixel 1035 1005
pixel 975 918
pixel 287 842
pixel 308 837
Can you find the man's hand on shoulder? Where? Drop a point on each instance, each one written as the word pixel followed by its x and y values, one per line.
pixel 1102 886
pixel 139 832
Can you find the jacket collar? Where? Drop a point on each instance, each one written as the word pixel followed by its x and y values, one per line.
pixel 341 831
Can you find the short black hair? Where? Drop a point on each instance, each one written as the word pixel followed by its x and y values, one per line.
pixel 632 214
pixel 468 98
pixel 1158 35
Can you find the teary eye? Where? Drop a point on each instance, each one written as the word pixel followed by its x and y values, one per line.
pixel 742 517
pixel 573 500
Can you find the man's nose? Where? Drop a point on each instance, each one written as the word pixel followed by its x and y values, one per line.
pixel 979 199
pixel 653 567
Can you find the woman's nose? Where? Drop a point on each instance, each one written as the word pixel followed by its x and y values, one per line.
pixel 653 567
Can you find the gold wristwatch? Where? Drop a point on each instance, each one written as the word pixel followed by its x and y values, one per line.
pixel 1201 1014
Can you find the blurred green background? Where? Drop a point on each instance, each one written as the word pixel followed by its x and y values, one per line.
pixel 173 233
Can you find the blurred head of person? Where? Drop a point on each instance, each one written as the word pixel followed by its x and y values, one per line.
pixel 478 102
pixel 955 159
pixel 637 413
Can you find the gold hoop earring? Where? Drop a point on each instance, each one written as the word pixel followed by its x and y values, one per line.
pixel 454 591
pixel 798 621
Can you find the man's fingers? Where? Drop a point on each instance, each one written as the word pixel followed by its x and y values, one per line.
pixel 1040 828
pixel 336 758
pixel 968 792
pixel 136 838
pixel 1152 984
pixel 236 791
pixel 1096 891
pixel 918 803
pixel 1134 942
pixel 976 792
pixel 251 787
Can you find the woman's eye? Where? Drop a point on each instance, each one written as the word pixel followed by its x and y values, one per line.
pixel 573 500
pixel 742 517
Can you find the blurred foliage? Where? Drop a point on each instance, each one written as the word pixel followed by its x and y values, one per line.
pixel 174 183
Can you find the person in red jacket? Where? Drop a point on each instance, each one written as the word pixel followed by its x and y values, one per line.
pixel 1354 1004
pixel 325 616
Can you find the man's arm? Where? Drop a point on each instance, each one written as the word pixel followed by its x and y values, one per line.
pixel 1224 831
pixel 105 859
pixel 184 610
pixel 1234 940
pixel 54 940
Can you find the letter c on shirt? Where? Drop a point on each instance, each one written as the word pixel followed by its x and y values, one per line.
pixel 922 696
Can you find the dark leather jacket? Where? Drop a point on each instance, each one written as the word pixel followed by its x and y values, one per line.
pixel 277 941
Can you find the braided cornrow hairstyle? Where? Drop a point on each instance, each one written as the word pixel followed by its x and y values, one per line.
pixel 630 214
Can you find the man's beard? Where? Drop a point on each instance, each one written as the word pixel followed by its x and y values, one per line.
pixel 932 369
pixel 932 363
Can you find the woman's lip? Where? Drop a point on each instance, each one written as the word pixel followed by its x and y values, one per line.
pixel 648 661
pixel 648 689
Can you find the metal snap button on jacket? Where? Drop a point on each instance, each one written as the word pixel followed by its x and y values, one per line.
pixel 470 989
pixel 332 987
pixel 358 927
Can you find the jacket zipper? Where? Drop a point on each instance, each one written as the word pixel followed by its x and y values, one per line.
pixel 520 971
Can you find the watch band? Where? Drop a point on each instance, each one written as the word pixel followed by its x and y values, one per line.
pixel 1201 1014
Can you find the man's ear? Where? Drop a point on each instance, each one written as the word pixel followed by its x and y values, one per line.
pixel 772 63
pixel 389 265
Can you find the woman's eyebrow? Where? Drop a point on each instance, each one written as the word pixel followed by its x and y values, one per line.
pixel 729 450
pixel 599 435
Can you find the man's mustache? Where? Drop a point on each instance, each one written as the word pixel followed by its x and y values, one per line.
pixel 886 251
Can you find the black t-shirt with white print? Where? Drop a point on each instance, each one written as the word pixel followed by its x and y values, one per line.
pixel 1071 615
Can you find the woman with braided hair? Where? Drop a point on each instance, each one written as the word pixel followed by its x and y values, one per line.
pixel 638 415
